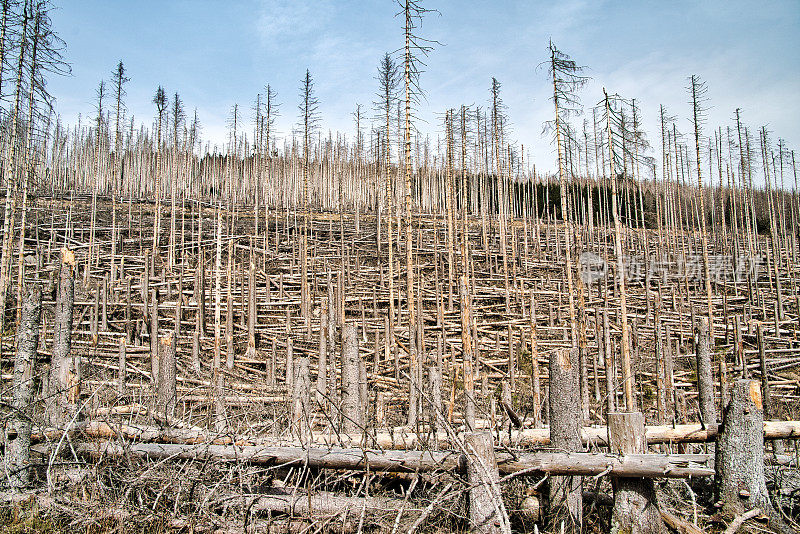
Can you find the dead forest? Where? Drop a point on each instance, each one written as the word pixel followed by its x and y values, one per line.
pixel 373 331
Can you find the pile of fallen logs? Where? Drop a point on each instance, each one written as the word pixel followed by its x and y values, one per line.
pixel 738 466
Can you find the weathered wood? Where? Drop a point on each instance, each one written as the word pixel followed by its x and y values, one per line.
pixel 351 406
pixel 486 512
pixel 18 427
pixel 122 365
pixel 565 417
pixel 252 316
pixel 63 383
pixel 154 341
pixel 467 353
pixel 679 525
pixel 438 421
pixel 166 383
pixel 705 379
pixel 220 448
pixel 635 503
pixel 324 504
pixel 301 397
pixel 322 362
pixel 740 481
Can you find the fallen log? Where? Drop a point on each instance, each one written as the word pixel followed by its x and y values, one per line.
pixel 556 463
pixel 132 432
pixel 688 433
pixel 401 438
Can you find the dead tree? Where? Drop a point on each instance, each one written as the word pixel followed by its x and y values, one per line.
pixel 18 428
pixel 309 121
pixel 300 399
pixel 387 96
pixel 566 81
pixel 565 417
pixel 322 363
pixel 154 344
pixel 160 100
pixel 613 117
pixel 166 387
pixel 740 456
pixel 166 395
pixel 415 47
pixel 252 312
pixel 635 505
pixel 467 354
pixel 122 365
pixel 485 500
pixel 351 409
pixel 697 89
pixel 64 379
pixel 705 379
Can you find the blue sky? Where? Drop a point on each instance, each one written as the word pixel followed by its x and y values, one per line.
pixel 216 54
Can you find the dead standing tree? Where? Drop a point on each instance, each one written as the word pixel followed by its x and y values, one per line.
pixel 160 100
pixel 309 122
pixel 698 90
pixel 566 82
pixel 11 170
pixel 616 134
pixel 178 118
pixel 118 80
pixel 414 50
pixel 388 80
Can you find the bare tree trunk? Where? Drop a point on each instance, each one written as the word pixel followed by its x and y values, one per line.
pixel 301 415
pixel 251 310
pixel 740 456
pixel 122 364
pixel 154 349
pixel 435 383
pixel 322 363
pixel 351 409
pixel 229 346
pixel 705 380
pixel 467 354
pixel 486 513
pixel 63 383
pixel 166 394
pixel 635 505
pixel 18 428
pixel 565 417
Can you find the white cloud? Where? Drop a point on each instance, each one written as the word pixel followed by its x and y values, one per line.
pixel 282 21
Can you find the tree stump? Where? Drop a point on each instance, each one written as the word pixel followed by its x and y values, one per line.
pixel 635 505
pixel 485 502
pixel 351 409
pixel 740 456
pixel 18 428
pixel 166 388
pixel 565 419
pixel 63 383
